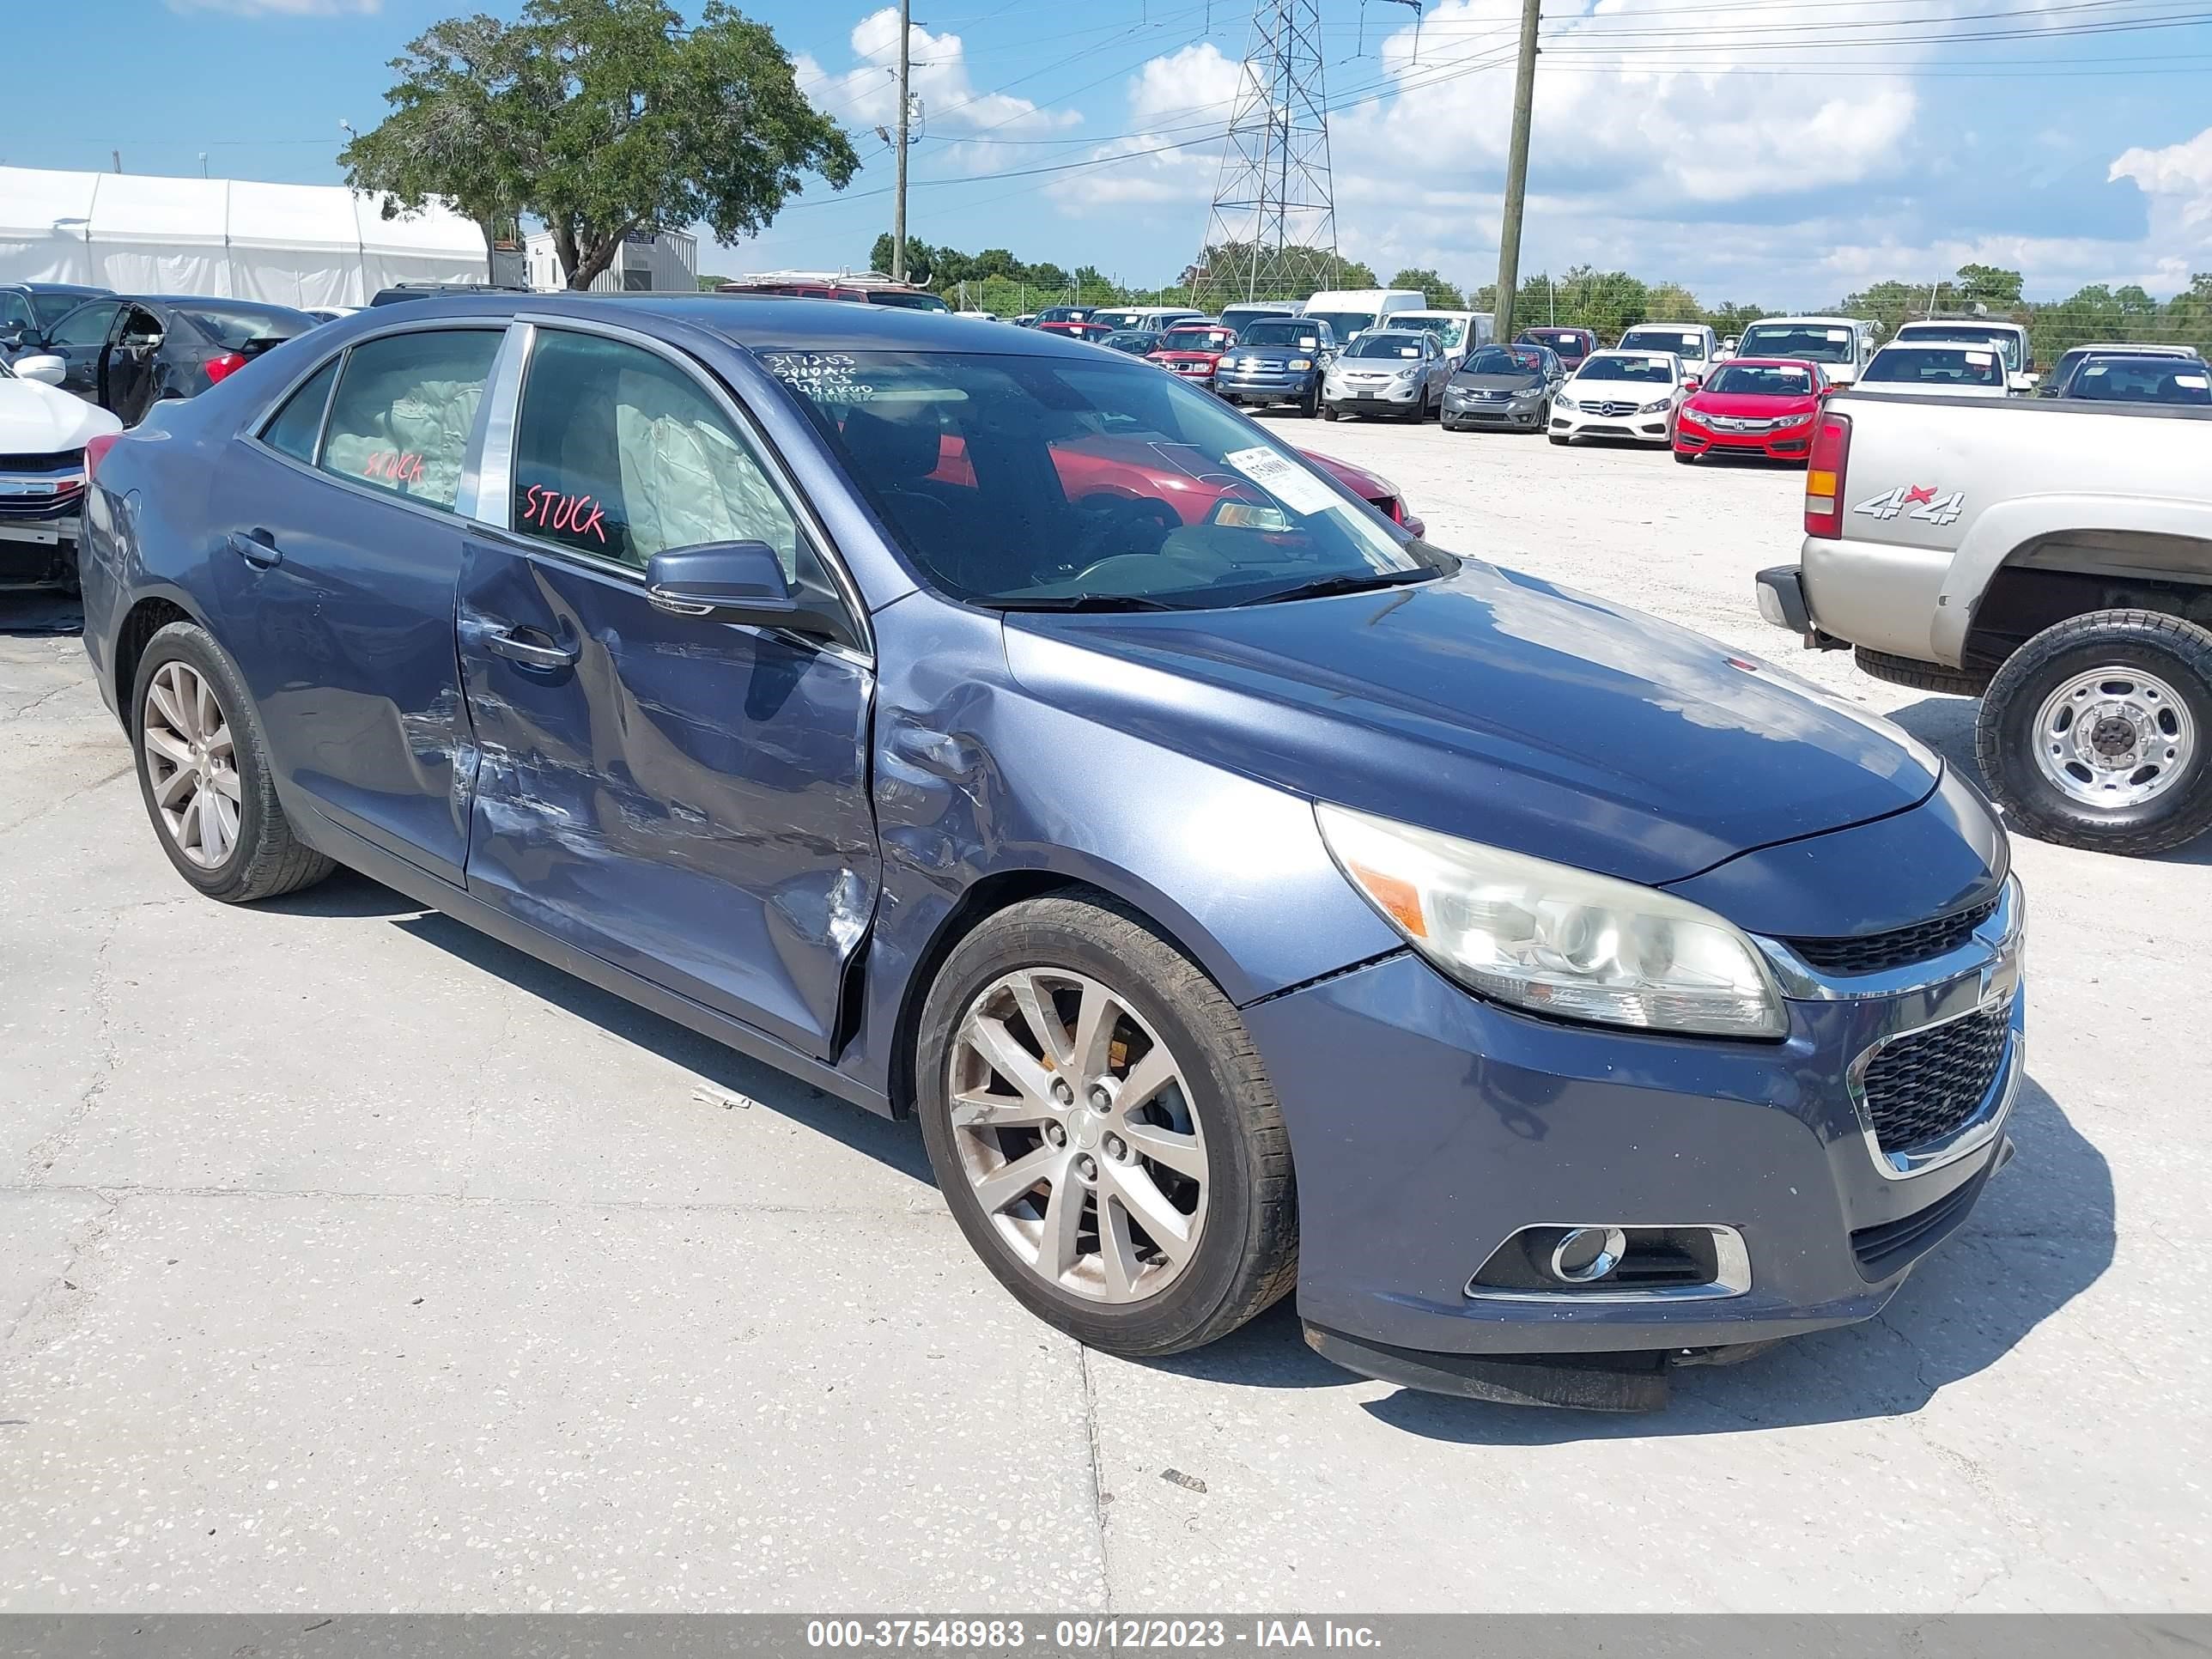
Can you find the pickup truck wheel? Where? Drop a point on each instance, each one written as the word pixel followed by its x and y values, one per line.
pixel 2094 733
pixel 1103 1129
pixel 1920 676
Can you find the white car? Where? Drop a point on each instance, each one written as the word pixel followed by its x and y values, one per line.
pixel 1938 368
pixel 1841 345
pixel 42 433
pixel 1620 394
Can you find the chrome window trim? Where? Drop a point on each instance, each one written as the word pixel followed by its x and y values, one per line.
pixel 1731 1275
pixel 764 451
pixel 1996 942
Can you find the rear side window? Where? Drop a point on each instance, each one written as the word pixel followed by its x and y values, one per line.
pixel 619 454
pixel 300 423
pixel 404 407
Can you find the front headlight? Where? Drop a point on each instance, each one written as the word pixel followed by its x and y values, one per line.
pixel 1653 408
pixel 1300 364
pixel 1556 940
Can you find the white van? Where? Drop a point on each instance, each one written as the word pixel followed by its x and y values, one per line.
pixel 2010 338
pixel 1457 332
pixel 1695 344
pixel 1348 310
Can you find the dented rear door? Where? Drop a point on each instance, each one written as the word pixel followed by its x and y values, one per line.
pixel 684 798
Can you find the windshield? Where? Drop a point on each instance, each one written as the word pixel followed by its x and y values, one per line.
pixel 1395 343
pixel 1761 380
pixel 1137 340
pixel 51 308
pixel 2000 339
pixel 236 327
pixel 1501 360
pixel 1302 335
pixel 1343 324
pixel 1197 339
pixel 1813 343
pixel 2140 380
pixel 1934 365
pixel 1651 371
pixel 1664 339
pixel 1032 482
pixel 1448 331
pixel 1568 343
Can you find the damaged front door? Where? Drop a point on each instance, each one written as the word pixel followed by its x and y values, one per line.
pixel 685 798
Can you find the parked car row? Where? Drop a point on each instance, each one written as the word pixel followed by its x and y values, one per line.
pixel 1001 732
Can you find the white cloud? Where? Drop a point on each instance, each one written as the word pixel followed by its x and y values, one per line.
pixel 1173 101
pixel 2179 181
pixel 866 95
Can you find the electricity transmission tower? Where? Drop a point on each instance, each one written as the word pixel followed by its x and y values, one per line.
pixel 1272 232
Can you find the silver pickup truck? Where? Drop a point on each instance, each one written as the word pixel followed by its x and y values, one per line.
pixel 2053 558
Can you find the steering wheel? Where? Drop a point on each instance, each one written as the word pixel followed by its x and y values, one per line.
pixel 1131 516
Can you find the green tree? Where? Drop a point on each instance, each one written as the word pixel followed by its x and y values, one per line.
pixel 1987 285
pixel 1670 302
pixel 1442 296
pixel 599 118
pixel 708 283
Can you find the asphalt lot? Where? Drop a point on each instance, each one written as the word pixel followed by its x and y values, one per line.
pixel 351 1261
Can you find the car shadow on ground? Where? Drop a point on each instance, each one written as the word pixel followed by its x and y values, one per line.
pixel 349 895
pixel 35 614
pixel 2042 1233
pixel 1947 726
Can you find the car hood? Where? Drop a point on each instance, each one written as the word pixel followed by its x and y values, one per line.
pixel 1492 706
pixel 37 419
pixel 1750 406
pixel 1498 382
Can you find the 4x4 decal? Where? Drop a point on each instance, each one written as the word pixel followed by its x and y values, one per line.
pixel 1919 502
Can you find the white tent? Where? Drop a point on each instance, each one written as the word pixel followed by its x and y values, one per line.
pixel 301 244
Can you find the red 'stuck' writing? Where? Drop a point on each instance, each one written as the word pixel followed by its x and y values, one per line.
pixel 548 509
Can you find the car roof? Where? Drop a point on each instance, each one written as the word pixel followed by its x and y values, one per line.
pixel 755 323
pixel 1825 322
pixel 1769 362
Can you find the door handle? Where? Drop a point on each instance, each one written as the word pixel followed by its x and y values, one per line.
pixel 256 547
pixel 509 643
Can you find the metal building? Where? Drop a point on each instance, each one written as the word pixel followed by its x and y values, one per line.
pixel 648 262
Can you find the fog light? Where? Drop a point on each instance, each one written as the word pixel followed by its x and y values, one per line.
pixel 1585 1254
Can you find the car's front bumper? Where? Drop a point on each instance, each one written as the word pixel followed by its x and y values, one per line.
pixel 1460 410
pixel 1791 443
pixel 39 550
pixel 1381 398
pixel 1625 422
pixel 1430 1127
pixel 1263 386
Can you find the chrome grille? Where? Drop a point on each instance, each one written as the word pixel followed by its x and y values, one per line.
pixel 1900 947
pixel 1929 1083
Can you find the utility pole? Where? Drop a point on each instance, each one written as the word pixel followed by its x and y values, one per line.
pixel 906 107
pixel 1516 170
pixel 116 156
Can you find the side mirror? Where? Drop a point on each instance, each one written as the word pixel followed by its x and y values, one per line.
pixel 46 368
pixel 737 582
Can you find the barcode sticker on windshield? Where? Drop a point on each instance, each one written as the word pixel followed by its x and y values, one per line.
pixel 2194 382
pixel 1287 482
pixel 1839 334
pixel 1981 359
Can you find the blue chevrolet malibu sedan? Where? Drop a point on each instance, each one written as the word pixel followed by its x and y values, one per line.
pixel 1243 893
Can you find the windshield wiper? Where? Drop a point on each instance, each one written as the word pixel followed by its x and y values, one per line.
pixel 1359 582
pixel 1081 602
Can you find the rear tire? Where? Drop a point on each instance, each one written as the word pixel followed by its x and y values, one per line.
pixel 1920 676
pixel 1019 992
pixel 2072 707
pixel 203 774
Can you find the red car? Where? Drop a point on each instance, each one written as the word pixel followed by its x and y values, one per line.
pixel 1192 351
pixel 1152 477
pixel 1092 331
pixel 1752 406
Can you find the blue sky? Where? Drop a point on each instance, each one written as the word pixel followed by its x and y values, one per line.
pixel 1780 151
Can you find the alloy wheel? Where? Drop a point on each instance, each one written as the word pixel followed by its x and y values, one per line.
pixel 185 744
pixel 1074 1127
pixel 2114 738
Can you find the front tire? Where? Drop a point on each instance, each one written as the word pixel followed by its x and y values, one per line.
pixel 1326 413
pixel 1558 437
pixel 203 774
pixel 1685 458
pixel 1104 1131
pixel 1309 405
pixel 2094 733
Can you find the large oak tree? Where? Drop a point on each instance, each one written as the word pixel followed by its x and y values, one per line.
pixel 600 118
